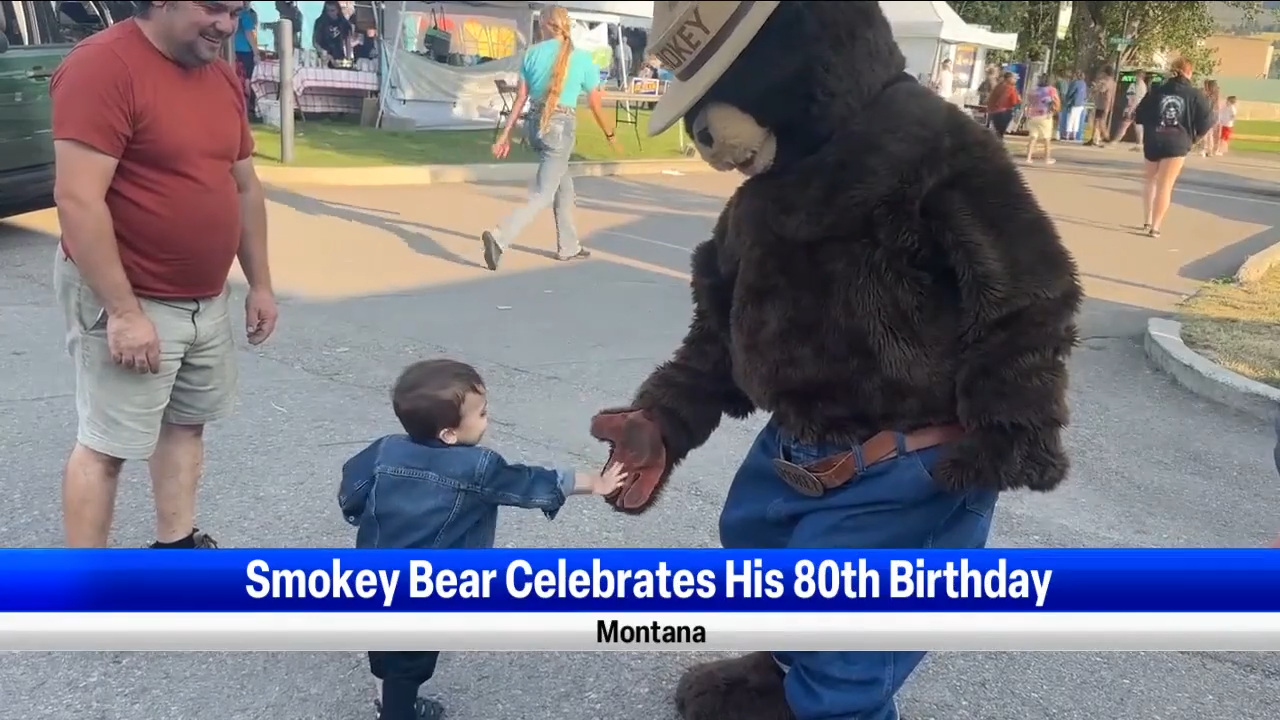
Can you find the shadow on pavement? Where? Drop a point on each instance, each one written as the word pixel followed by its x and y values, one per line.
pixel 1234 176
pixel 368 217
pixel 1223 261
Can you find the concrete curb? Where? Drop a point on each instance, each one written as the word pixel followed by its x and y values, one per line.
pixel 1257 264
pixel 497 172
pixel 1164 346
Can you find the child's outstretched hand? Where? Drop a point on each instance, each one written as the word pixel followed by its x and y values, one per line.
pixel 608 482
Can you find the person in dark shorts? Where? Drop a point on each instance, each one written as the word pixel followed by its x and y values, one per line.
pixel 450 500
pixel 1173 116
pixel 1002 102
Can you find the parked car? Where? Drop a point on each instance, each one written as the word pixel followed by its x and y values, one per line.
pixel 34 37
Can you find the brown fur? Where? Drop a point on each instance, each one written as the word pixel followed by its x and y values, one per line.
pixel 741 688
pixel 891 271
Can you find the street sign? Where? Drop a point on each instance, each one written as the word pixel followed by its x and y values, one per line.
pixel 1064 20
pixel 1121 42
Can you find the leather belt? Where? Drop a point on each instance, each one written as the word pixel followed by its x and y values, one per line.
pixel 541 108
pixel 816 478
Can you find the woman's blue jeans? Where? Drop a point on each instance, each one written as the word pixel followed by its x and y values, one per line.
pixel 553 186
pixel 893 504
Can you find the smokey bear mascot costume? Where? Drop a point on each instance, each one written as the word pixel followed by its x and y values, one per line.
pixel 884 286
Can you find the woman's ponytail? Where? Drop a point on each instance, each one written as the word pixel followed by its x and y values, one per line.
pixel 556 21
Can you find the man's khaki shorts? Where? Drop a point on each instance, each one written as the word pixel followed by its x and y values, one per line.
pixel 121 411
pixel 1040 127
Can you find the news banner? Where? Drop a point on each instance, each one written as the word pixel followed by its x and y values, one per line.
pixel 661 600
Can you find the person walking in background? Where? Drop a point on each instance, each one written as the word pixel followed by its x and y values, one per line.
pixel 288 10
pixel 157 197
pixel 1000 106
pixel 332 34
pixel 1074 103
pixel 246 44
pixel 1133 96
pixel 1174 117
pixel 944 81
pixel 1226 121
pixel 1209 144
pixel 555 74
pixel 1104 100
pixel 988 84
pixel 1042 103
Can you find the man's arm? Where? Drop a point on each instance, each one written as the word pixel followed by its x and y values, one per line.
pixel 1019 295
pixel 92 126
pixel 253 215
pixel 253 226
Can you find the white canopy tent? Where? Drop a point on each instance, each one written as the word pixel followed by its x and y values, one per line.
pixel 928 33
pixel 423 93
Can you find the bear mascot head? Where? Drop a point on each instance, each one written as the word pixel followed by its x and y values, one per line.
pixel 883 285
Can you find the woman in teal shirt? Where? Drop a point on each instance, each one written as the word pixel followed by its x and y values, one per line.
pixel 554 74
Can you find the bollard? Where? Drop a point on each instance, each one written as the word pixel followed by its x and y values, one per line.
pixel 284 49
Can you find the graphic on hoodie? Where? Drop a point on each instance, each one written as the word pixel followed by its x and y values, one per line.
pixel 1173 110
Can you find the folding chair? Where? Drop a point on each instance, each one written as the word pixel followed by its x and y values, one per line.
pixel 507 92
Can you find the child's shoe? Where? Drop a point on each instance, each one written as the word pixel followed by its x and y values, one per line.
pixel 424 709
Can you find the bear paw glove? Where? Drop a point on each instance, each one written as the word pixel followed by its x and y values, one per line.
pixel 636 442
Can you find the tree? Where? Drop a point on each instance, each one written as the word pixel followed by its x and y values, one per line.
pixel 1177 28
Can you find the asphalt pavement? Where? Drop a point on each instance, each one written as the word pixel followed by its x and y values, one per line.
pixel 373 278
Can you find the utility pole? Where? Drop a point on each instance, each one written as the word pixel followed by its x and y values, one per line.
pixel 1124 40
pixel 1053 46
pixel 284 51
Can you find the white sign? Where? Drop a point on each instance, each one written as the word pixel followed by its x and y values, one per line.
pixel 1064 19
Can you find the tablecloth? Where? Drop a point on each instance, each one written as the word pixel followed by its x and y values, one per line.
pixel 317 89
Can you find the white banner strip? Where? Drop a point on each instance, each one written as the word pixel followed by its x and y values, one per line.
pixel 639 632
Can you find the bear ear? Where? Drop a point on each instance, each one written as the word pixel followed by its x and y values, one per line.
pixel 697 41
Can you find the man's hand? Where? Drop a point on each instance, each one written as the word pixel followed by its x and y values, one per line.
pixel 133 342
pixel 260 315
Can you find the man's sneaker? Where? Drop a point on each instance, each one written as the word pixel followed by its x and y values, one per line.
pixel 203 541
pixel 582 254
pixel 424 709
pixel 492 250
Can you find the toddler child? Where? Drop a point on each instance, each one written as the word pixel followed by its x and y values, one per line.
pixel 436 487
pixel 1226 121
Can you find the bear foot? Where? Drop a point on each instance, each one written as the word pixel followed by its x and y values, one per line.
pixel 741 688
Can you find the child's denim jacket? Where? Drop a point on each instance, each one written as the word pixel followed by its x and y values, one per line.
pixel 405 495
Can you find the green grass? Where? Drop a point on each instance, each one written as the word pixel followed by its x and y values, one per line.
pixel 1237 325
pixel 1255 146
pixel 338 143
pixel 1266 128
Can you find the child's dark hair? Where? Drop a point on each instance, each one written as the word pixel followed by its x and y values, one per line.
pixel 1231 98
pixel 428 396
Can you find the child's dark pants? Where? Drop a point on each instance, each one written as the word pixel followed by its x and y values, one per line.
pixel 402 674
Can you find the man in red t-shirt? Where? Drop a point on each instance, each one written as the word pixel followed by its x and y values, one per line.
pixel 157 197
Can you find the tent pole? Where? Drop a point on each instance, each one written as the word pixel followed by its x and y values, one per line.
pixel 389 58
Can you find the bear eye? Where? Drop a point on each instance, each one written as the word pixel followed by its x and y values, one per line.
pixel 704 138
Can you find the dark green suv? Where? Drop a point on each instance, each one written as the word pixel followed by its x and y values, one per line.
pixel 34 37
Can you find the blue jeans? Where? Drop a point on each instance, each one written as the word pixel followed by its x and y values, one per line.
pixel 893 504
pixel 553 186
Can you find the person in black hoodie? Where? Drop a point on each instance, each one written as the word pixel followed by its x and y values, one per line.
pixel 1173 116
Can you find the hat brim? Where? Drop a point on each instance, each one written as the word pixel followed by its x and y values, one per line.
pixel 682 95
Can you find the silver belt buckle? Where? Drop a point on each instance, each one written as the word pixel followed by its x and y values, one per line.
pixel 800 480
